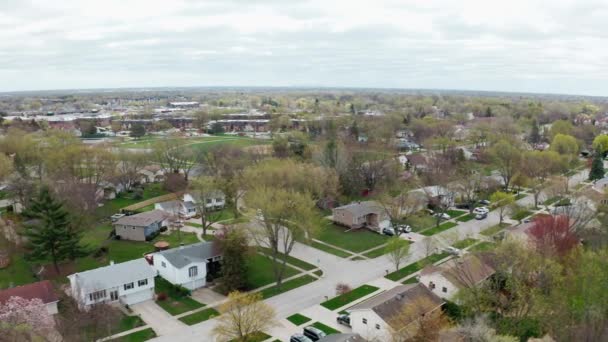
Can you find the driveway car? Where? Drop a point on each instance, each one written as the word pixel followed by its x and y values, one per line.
pixel 388 231
pixel 299 338
pixel 481 216
pixel 344 320
pixel 481 210
pixel 484 202
pixel 443 216
pixel 453 250
pixel 313 333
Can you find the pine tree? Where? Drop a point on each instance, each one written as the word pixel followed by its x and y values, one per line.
pixel 234 265
pixel 534 133
pixel 597 167
pixel 51 236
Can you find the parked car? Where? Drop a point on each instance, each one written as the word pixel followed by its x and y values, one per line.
pixel 313 333
pixel 405 228
pixel 453 250
pixel 463 205
pixel 388 231
pixel 116 217
pixel 484 202
pixel 481 216
pixel 443 216
pixel 299 338
pixel 344 320
pixel 481 210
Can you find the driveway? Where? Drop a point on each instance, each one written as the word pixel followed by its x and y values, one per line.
pixel 157 318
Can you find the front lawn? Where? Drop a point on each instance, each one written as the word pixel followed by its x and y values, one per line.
pixel 330 250
pixel 298 319
pixel 482 247
pixel 175 304
pixel 125 250
pixel 287 286
pixel 291 260
pixel 420 222
pixel 113 206
pixel 357 241
pixel 494 229
pixel 440 228
pixel 415 266
pixel 521 214
pixel 200 316
pixel 455 213
pixel 342 300
pixel 376 252
pixel 128 323
pixel 324 328
pixel 140 336
pixel 462 244
pixel 260 271
pixel 411 280
pixel 465 218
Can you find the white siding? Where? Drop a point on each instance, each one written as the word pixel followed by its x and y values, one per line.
pixel 127 296
pixel 180 276
pixel 369 329
pixel 439 283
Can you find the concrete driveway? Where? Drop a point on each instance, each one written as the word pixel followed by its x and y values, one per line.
pixel 157 318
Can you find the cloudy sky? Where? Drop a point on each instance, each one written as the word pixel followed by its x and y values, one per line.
pixel 557 46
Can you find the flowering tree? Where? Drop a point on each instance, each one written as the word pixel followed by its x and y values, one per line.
pixel 553 235
pixel 23 319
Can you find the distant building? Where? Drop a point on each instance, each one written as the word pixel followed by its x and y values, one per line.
pixel 141 227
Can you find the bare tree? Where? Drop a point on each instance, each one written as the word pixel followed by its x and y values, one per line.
pixel 397 251
pixel 243 315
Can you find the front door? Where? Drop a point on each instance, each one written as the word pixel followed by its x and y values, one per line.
pixel 114 295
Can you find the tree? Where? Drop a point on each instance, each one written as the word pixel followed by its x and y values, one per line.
pixel 129 165
pixel 534 137
pixel 507 158
pixel 97 321
pixel 51 235
pixel 502 201
pixel 175 156
pixel 234 262
pixel 600 144
pixel 565 145
pixel 397 250
pixel 477 329
pixel 563 127
pixel 25 320
pixel 204 190
pixel 243 315
pixel 138 130
pixel 216 128
pixel 597 167
pixel 418 321
pixel 553 235
pixel 538 166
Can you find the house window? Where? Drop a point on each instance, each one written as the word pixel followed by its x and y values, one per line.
pixel 208 200
pixel 162 263
pixel 378 326
pixel 444 289
pixel 129 286
pixel 431 285
pixel 193 271
pixel 364 321
pixel 142 282
pixel 218 199
pixel 97 295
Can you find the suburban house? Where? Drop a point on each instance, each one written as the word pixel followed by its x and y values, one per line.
pixel 433 194
pixel 417 162
pixel 187 266
pixel 128 283
pixel 42 290
pixel 343 337
pixel 178 208
pixel 447 279
pixel 368 214
pixel 151 174
pixel 214 200
pixel 142 226
pixel 375 319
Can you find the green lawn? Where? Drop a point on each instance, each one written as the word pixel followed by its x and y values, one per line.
pixel 376 253
pixel 349 297
pixel 416 266
pixel 482 246
pixel 520 196
pixel 551 200
pixel 455 213
pixel 140 336
pixel 324 328
pixel 411 280
pixel 465 218
pixel 174 304
pixel 439 229
pixel 287 286
pixel 260 271
pixel 129 322
pixel 298 319
pixel 494 229
pixel 200 316
pixel 124 250
pixel 17 273
pixel 420 222
pixel 291 260
pixel 111 207
pixel 521 214
pixel 232 141
pixel 330 250
pixel 462 244
pixel 355 240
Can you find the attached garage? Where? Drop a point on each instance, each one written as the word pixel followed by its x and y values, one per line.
pixel 137 297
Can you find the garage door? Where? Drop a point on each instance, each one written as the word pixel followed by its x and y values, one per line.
pixel 137 297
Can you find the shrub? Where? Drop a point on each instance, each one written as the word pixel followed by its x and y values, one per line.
pixel 163 229
pixel 138 194
pixel 100 252
pixel 161 297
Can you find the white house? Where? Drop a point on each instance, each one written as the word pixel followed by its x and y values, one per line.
pixel 187 266
pixel 179 208
pixel 373 318
pixel 447 279
pixel 128 282
pixel 151 174
pixel 42 290
pixel 214 200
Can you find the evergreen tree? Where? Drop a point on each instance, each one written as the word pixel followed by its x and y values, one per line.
pixel 597 167
pixel 534 137
pixel 138 130
pixel 234 265
pixel 354 130
pixel 352 109
pixel 51 236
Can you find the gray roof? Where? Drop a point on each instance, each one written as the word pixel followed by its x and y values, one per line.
pixel 114 275
pixel 171 206
pixel 391 302
pixel 189 205
pixel 343 338
pixel 198 252
pixel 143 219
pixel 361 208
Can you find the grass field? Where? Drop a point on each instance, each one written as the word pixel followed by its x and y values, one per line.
pixel 482 246
pixel 260 271
pixel 455 213
pixel 462 244
pixel 416 266
pixel 291 260
pixel 349 297
pixel 298 319
pixel 140 336
pixel 465 218
pixel 174 304
pixel 17 273
pixel 355 240
pixel 200 316
pixel 442 227
pixel 330 250
pixel 376 253
pixel 287 286
pixel 494 229
pixel 521 214
pixel 231 141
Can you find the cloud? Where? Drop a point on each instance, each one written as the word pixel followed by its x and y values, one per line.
pixel 519 45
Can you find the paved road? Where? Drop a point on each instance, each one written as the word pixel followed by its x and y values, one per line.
pixel 336 270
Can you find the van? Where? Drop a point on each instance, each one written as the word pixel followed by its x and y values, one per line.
pixel 313 333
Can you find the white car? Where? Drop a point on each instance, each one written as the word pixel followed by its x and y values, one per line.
pixel 443 216
pixel 481 210
pixel 453 250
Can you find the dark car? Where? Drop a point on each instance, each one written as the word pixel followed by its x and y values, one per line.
pixel 344 320
pixel 463 205
pixel 388 231
pixel 299 338
pixel 313 333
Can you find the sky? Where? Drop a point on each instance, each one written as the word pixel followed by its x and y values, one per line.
pixel 557 46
